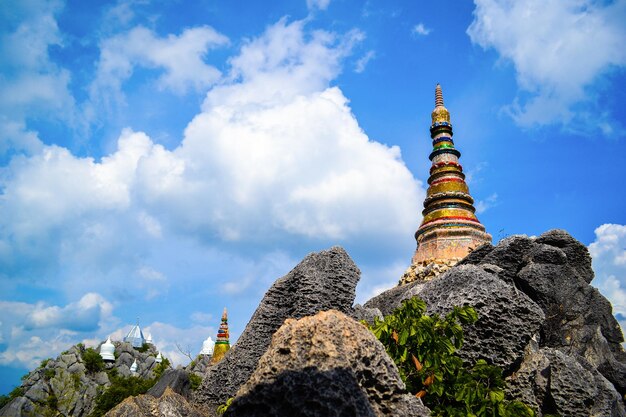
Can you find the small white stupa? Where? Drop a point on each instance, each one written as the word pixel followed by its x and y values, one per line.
pixel 133 367
pixel 107 350
pixel 149 338
pixel 207 346
pixel 159 358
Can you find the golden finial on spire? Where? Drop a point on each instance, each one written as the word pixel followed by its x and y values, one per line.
pixel 438 96
pixel 440 114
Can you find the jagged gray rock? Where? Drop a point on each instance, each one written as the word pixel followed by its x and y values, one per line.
pixel 170 404
pixel 554 270
pixel 175 379
pixel 555 383
pixel 507 319
pixel 325 365
pixel 322 281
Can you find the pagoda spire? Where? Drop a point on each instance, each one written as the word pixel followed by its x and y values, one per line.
pixel 222 344
pixel 450 229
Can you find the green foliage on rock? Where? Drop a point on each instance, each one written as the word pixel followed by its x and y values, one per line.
pixel 195 381
pixel 92 359
pixel 144 348
pixel 221 409
pixel 423 347
pixel 120 389
pixel 5 399
pixel 160 368
pixel 48 374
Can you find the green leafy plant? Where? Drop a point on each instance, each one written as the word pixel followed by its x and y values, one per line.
pixel 120 389
pixel 44 362
pixel 92 359
pixel 423 347
pixel 160 368
pixel 48 374
pixel 195 381
pixel 16 392
pixel 144 348
pixel 221 409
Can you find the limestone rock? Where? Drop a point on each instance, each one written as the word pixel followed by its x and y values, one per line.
pixel 426 270
pixel 325 365
pixel 322 281
pixel 175 379
pixel 170 404
pixel 367 314
pixel 554 270
pixel 555 383
pixel 65 382
pixel 507 319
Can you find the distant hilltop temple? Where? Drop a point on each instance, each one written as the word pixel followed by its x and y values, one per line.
pixel 450 229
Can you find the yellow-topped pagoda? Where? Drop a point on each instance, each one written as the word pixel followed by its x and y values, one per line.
pixel 222 344
pixel 450 229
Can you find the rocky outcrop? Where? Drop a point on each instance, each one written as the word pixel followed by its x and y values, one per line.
pixel 175 379
pixel 554 270
pixel 325 365
pixel 322 281
pixel 170 404
pixel 427 270
pixel 65 385
pixel 526 290
pixel 507 319
pixel 555 383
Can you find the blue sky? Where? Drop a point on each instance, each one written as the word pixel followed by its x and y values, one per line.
pixel 163 159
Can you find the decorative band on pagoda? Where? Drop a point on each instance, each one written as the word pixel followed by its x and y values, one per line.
pixel 448 205
pixel 452 151
pixel 447 194
pixel 476 225
pixel 442 164
pixel 443 139
pixel 446 179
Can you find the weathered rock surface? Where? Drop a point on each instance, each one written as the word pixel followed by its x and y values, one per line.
pixel 550 273
pixel 554 270
pixel 555 383
pixel 507 319
pixel 66 382
pixel 170 404
pixel 325 365
pixel 322 281
pixel 175 379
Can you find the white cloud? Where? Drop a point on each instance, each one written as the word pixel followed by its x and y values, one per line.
pixel 362 62
pixel 30 83
pixel 420 30
pixel 608 252
pixel 275 160
pixel 317 4
pixel 559 50
pixel 484 205
pixel 179 59
pixel 33 332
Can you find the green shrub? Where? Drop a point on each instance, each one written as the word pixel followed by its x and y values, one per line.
pixel 48 374
pixel 16 392
pixel 44 362
pixel 120 389
pixel 92 359
pixel 144 348
pixel 76 381
pixel 195 381
pixel 52 402
pixel 423 347
pixel 4 400
pixel 160 368
pixel 221 409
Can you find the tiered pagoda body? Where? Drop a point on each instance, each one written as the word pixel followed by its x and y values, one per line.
pixel 450 229
pixel 222 344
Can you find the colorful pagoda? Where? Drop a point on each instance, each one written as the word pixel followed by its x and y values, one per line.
pixel 450 229
pixel 222 344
